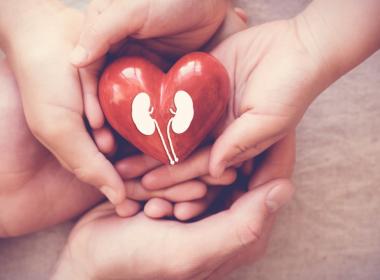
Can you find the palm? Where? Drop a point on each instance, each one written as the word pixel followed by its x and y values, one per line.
pixel 35 190
pixel 270 59
pixel 108 246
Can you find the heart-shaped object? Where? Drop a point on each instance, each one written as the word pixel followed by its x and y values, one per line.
pixel 165 115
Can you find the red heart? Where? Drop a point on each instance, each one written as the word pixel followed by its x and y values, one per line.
pixel 194 93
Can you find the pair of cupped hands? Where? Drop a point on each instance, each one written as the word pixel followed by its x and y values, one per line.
pixel 55 57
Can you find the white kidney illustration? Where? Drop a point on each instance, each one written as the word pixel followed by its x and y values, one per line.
pixel 141 115
pixel 185 112
pixel 183 116
pixel 142 118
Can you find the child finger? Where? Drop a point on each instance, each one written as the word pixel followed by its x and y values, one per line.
pixel 136 166
pixel 188 210
pixel 105 141
pixel 157 208
pixel 227 178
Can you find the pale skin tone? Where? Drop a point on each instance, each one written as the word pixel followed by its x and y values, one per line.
pixel 284 66
pixel 105 246
pixel 37 192
pixel 277 70
pixel 51 194
pixel 291 62
pixel 56 96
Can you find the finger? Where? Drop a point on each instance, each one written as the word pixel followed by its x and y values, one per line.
pixel 249 135
pixel 105 141
pixel 263 115
pixel 136 166
pixel 85 161
pixel 277 163
pixel 184 211
pixel 92 109
pixel 53 109
pixel 249 255
pixel 190 190
pixel 165 176
pixel 107 23
pixel 157 208
pixel 227 178
pixel 227 232
pixel 128 208
pixel 138 49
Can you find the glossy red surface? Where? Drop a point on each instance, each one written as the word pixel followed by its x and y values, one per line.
pixel 199 74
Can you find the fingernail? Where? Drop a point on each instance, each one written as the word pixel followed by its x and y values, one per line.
pixel 78 55
pixel 277 197
pixel 110 194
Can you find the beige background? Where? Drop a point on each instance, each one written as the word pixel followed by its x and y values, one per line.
pixel 331 230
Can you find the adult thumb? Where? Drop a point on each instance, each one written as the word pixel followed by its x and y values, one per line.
pixel 242 225
pixel 107 22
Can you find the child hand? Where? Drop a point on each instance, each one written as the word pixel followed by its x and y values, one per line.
pixel 275 79
pixel 278 69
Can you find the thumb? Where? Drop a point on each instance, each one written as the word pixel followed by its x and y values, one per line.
pixel 247 136
pixel 242 225
pixel 75 150
pixel 107 22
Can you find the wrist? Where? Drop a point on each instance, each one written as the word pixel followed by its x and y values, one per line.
pixel 341 33
pixel 327 66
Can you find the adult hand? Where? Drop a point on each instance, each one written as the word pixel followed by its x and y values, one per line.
pixel 37 43
pixel 167 29
pixel 171 27
pixel 35 191
pixel 105 246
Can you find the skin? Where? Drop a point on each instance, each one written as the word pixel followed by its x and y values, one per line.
pixel 277 70
pixel 56 96
pixel 281 67
pixel 105 246
pixel 50 194
pixel 37 192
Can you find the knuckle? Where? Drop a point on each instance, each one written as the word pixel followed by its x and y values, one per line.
pixel 89 173
pixel 247 234
pixel 92 31
pixel 47 128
